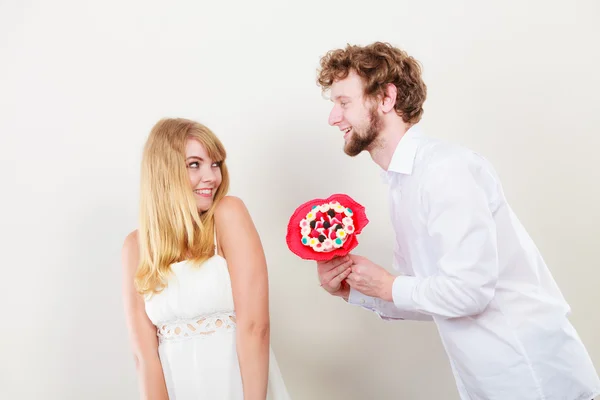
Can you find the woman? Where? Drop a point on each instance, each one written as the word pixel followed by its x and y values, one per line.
pixel 195 277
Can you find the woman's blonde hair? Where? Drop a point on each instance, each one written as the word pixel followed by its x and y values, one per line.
pixel 171 228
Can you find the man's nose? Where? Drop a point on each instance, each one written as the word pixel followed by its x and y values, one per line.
pixel 335 116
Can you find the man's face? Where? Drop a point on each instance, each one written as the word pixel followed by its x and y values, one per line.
pixel 356 117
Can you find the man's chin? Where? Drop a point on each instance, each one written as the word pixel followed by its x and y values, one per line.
pixel 352 152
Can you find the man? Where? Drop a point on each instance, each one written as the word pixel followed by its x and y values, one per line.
pixel 464 259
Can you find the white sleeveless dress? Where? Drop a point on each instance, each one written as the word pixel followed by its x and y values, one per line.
pixel 195 321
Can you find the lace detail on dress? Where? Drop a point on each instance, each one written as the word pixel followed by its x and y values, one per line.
pixel 202 325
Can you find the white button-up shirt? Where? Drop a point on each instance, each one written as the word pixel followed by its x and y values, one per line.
pixel 467 263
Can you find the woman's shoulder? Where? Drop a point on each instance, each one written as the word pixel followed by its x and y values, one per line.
pixel 131 240
pixel 230 208
pixel 131 250
pixel 231 215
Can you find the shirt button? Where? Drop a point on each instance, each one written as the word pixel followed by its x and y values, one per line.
pixel 362 301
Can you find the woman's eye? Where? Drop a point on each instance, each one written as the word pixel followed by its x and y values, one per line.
pixel 216 164
pixel 194 164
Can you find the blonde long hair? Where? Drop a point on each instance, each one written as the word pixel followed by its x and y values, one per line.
pixel 171 227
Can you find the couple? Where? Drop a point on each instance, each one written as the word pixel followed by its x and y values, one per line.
pixel 195 278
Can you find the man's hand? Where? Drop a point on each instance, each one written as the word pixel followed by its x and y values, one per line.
pixel 370 279
pixel 332 275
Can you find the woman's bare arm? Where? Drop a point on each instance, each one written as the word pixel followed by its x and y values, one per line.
pixel 142 333
pixel 243 251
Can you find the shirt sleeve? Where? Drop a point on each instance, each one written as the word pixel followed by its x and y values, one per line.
pixel 386 310
pixel 462 229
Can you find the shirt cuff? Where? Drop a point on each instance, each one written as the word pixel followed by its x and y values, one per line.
pixel 402 290
pixel 358 299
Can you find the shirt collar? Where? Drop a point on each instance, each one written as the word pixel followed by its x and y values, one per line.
pixel 403 159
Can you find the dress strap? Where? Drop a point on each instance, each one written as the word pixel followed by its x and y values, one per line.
pixel 215 234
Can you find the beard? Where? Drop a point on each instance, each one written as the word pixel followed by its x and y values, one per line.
pixel 363 140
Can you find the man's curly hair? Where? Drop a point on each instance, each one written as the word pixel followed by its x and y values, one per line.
pixel 379 64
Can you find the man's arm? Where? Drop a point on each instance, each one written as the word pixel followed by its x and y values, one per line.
pixel 386 310
pixel 462 230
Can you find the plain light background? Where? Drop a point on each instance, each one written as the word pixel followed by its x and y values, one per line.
pixel 82 83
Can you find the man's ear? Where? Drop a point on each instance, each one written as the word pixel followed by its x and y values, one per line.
pixel 388 102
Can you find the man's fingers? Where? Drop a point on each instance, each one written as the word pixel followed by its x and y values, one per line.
pixel 354 277
pixel 356 258
pixel 328 271
pixel 337 271
pixel 324 267
pixel 350 279
pixel 335 282
pixel 332 279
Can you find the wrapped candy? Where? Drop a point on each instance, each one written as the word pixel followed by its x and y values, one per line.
pixel 322 229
